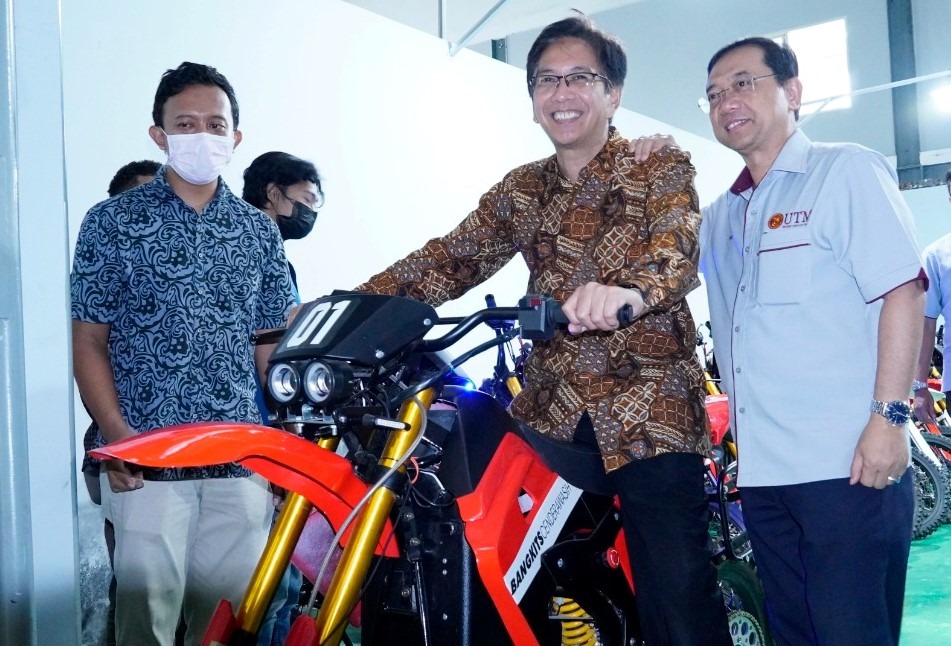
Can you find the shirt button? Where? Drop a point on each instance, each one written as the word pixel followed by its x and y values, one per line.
pixel 742 410
pixel 739 370
pixel 742 288
pixel 736 329
pixel 747 250
pixel 201 292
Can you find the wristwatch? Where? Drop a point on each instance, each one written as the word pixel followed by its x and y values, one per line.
pixel 896 413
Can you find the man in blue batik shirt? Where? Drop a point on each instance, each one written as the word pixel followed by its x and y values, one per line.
pixel 169 282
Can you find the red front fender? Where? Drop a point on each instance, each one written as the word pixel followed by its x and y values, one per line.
pixel 324 478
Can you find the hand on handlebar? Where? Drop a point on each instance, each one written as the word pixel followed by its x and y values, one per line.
pixel 594 306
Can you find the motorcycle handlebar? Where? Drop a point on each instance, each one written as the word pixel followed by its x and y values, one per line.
pixel 538 316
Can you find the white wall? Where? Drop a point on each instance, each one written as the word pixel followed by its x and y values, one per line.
pixel 932 212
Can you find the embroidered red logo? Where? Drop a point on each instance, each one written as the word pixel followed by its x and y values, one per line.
pixel 776 221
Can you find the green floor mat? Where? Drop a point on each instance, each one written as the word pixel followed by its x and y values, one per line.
pixel 927 617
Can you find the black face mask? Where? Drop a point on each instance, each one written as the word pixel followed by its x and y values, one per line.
pixel 298 224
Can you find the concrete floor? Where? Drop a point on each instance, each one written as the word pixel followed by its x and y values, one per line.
pixel 94 572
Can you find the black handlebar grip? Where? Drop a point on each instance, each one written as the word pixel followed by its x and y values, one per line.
pixel 625 316
pixel 490 301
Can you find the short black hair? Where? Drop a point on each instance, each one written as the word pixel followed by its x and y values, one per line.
pixel 184 76
pixel 127 176
pixel 779 58
pixel 281 168
pixel 607 48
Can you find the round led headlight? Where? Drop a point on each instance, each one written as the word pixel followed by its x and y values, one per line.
pixel 326 382
pixel 318 382
pixel 283 382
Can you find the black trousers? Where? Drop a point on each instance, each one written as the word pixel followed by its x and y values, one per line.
pixel 665 514
pixel 832 558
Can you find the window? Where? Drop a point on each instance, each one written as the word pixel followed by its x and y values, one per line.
pixel 823 63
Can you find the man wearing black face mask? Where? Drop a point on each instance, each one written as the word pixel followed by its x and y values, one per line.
pixel 288 190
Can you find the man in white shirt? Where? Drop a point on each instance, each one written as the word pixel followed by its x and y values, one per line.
pixel 816 291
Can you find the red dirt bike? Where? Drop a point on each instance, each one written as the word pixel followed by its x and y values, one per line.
pixel 451 529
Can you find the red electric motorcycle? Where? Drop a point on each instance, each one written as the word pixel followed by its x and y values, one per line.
pixel 447 526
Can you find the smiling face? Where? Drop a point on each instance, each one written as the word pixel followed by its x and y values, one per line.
pixel 575 118
pixel 755 124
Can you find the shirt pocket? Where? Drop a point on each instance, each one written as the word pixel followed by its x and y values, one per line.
pixel 785 273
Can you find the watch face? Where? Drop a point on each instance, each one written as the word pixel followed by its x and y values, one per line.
pixel 897 413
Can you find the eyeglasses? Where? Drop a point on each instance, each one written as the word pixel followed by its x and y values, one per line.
pixel 741 85
pixel 581 80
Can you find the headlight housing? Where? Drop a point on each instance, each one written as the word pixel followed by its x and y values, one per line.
pixel 324 382
pixel 283 382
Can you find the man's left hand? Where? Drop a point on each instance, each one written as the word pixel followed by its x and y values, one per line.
pixel 882 452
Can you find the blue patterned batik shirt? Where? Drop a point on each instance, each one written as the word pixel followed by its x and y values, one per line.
pixel 183 292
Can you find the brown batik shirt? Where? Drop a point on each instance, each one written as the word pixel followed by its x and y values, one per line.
pixel 620 223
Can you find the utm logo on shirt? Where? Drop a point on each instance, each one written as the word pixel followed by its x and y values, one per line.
pixel 788 220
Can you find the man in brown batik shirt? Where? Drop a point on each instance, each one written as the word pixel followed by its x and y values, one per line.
pixel 618 411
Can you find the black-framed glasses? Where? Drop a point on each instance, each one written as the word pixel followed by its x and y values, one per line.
pixel 743 84
pixel 548 82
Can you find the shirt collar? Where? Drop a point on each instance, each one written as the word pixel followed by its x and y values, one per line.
pixel 601 164
pixel 161 183
pixel 791 159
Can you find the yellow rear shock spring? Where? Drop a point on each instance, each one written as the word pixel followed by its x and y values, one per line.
pixel 574 632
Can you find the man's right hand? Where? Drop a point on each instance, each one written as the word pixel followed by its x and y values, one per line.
pixel 121 478
pixel 644 147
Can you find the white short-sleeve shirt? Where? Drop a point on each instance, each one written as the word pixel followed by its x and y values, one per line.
pixel 795 269
pixel 938 267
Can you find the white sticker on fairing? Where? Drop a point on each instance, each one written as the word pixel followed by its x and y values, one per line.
pixel 541 535
pixel 310 330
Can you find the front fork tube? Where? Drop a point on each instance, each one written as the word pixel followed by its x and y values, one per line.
pixel 348 580
pixel 513 384
pixel 276 556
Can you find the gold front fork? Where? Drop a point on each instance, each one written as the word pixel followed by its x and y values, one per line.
pixel 276 556
pixel 513 384
pixel 348 580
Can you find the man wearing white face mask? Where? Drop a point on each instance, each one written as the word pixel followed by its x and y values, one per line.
pixel 169 280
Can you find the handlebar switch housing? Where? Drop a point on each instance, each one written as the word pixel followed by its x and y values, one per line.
pixel 538 317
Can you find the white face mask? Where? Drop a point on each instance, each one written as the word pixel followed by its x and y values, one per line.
pixel 199 158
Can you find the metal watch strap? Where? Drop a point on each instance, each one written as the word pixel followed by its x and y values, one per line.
pixel 879 407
